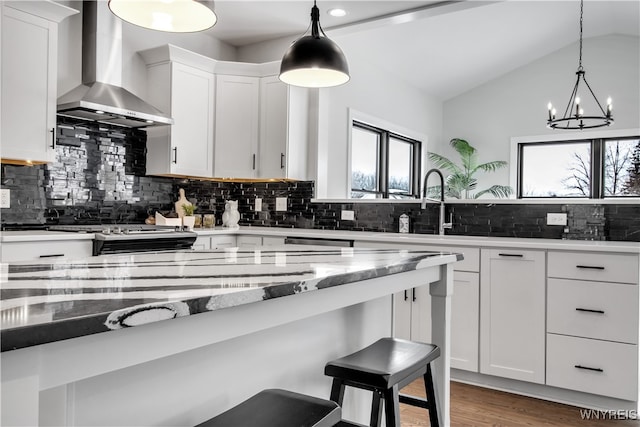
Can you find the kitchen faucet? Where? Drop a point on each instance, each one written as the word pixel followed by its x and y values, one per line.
pixel 441 224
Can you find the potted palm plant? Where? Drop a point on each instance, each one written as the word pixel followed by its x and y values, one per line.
pixel 188 220
pixel 462 181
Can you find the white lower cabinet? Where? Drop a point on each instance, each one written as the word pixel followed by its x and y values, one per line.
pixel 45 250
pixel 247 241
pixel 412 308
pixel 593 366
pixel 465 315
pixel 206 242
pixel 512 314
pixel 592 323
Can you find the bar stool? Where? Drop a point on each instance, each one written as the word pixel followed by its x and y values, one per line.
pixel 385 367
pixel 279 408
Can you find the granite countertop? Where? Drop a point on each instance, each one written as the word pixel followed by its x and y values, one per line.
pixel 60 299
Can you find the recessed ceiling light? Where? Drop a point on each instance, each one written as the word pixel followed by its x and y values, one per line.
pixel 337 12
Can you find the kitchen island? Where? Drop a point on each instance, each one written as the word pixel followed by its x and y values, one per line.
pixel 174 338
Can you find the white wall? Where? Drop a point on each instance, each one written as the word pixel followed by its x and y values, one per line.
pixel 515 104
pixel 376 94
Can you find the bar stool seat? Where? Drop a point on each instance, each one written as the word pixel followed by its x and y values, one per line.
pixel 385 367
pixel 279 408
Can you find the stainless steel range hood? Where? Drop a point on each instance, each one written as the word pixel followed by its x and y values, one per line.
pixel 101 96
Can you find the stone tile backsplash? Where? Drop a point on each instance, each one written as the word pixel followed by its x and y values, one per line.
pixel 99 177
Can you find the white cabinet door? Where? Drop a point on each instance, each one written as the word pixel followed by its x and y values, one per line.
pixel 512 314
pixel 236 126
pixel 188 95
pixel 29 84
pixel 402 305
pixel 202 243
pixel 274 99
pixel 465 313
pixel 224 241
pixel 284 127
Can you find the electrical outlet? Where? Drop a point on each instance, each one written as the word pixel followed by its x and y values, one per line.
pixel 556 219
pixel 258 206
pixel 347 215
pixel 281 204
pixel 5 198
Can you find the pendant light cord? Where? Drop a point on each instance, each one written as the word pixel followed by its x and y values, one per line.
pixel 315 21
pixel 581 11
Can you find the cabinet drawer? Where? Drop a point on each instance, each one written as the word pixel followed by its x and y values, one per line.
pixel 592 366
pixel 607 311
pixel 594 266
pixel 42 250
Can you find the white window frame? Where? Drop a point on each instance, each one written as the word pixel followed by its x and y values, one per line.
pixel 359 116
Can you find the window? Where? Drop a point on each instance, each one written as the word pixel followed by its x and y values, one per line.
pixel 587 168
pixel 383 164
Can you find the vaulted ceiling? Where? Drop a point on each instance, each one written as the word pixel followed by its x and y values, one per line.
pixel 444 48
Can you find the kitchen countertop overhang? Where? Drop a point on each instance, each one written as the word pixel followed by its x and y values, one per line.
pixel 56 300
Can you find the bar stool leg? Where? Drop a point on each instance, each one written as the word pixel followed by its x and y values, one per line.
pixel 431 398
pixel 337 391
pixel 392 406
pixel 376 409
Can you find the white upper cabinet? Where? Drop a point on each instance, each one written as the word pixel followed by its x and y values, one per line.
pixel 181 84
pixel 29 79
pixel 237 120
pixel 232 119
pixel 283 130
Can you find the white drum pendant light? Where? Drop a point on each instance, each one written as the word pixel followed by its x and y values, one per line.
pixel 174 16
pixel 314 60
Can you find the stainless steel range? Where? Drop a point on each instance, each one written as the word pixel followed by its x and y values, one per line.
pixel 125 238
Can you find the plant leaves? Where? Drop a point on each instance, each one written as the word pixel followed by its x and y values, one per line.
pixel 498 191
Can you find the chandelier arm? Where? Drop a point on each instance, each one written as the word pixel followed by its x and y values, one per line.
pixel 572 98
pixel 594 96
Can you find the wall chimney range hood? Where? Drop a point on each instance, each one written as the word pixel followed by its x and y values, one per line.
pixel 101 97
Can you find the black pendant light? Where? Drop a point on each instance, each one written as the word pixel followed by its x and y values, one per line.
pixel 314 60
pixel 574 117
pixel 173 16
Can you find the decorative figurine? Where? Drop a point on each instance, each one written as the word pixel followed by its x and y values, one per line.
pixel 231 216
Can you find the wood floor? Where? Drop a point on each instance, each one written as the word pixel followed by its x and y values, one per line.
pixel 478 407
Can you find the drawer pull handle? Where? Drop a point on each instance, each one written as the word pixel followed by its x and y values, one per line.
pixel 588 310
pixel 414 294
pixel 588 368
pixel 51 256
pixel 590 267
pixel 512 255
pixel 405 295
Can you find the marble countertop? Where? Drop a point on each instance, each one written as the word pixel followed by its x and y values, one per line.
pixel 418 239
pixel 60 299
pixel 432 239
